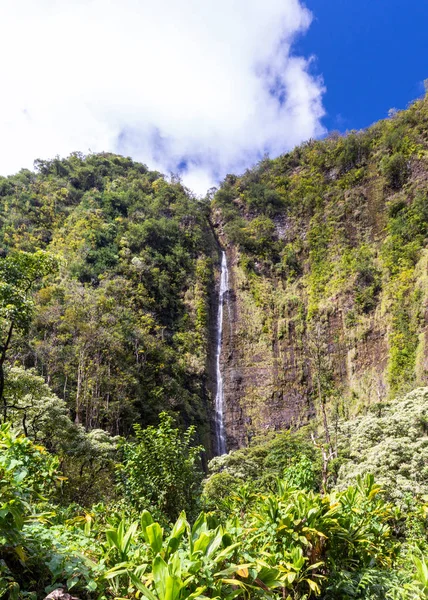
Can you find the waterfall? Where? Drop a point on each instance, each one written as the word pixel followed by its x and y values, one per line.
pixel 220 434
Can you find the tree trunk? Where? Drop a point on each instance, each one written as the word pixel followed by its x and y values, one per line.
pixel 2 361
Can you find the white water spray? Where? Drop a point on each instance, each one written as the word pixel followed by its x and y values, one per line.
pixel 220 434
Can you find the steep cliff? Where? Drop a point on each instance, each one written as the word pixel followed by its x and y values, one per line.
pixel 327 306
pixel 327 253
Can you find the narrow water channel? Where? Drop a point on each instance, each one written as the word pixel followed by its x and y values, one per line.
pixel 220 434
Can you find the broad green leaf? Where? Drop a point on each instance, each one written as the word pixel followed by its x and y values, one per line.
pixel 154 536
pixel 142 588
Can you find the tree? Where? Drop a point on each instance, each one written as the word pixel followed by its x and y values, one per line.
pixel 26 472
pixel 19 272
pixel 86 459
pixel 160 470
pixel 35 411
pixel 322 371
pixel 395 169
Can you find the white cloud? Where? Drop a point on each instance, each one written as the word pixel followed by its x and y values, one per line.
pixel 212 84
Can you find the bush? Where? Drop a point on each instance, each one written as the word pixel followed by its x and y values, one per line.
pixel 395 169
pixel 218 487
pixel 26 472
pixel 392 443
pixel 286 453
pixel 302 474
pixel 161 469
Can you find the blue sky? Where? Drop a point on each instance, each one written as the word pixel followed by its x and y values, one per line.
pixel 372 54
pixel 200 88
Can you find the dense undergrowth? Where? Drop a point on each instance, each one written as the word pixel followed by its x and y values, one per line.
pixel 103 516
pixel 266 529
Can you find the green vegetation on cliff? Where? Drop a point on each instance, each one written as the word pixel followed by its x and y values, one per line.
pixel 328 247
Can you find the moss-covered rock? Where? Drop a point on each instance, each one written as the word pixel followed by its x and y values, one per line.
pixel 334 232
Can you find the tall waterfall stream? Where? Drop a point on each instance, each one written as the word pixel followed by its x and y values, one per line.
pixel 220 434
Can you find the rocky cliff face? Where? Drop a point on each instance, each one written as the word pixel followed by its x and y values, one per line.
pixel 327 253
pixel 264 377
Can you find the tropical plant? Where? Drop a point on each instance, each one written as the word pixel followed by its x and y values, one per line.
pixel 390 442
pixel 189 562
pixel 160 470
pixel 19 271
pixel 27 473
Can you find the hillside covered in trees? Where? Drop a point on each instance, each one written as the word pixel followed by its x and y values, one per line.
pixel 109 278
pixel 120 331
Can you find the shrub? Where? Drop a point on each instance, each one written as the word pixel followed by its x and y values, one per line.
pixel 395 169
pixel 218 487
pixel 161 469
pixel 392 443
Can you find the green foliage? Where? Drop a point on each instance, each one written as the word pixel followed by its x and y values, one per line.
pixel 203 560
pixel 403 338
pixel 218 487
pixel 392 443
pixel 289 542
pixel 407 230
pixel 86 458
pixel 348 242
pixel 59 555
pixel 329 279
pixel 286 541
pixel 368 282
pixel 260 236
pixel 421 580
pixel 27 471
pixel 353 150
pixel 320 266
pixel 160 470
pixel 115 334
pixel 302 474
pixel 287 454
pixel 314 541
pixel 18 273
pixel 27 474
pixel 368 584
pixel 395 169
pixel 290 265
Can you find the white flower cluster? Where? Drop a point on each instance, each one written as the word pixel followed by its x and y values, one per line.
pixel 391 443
